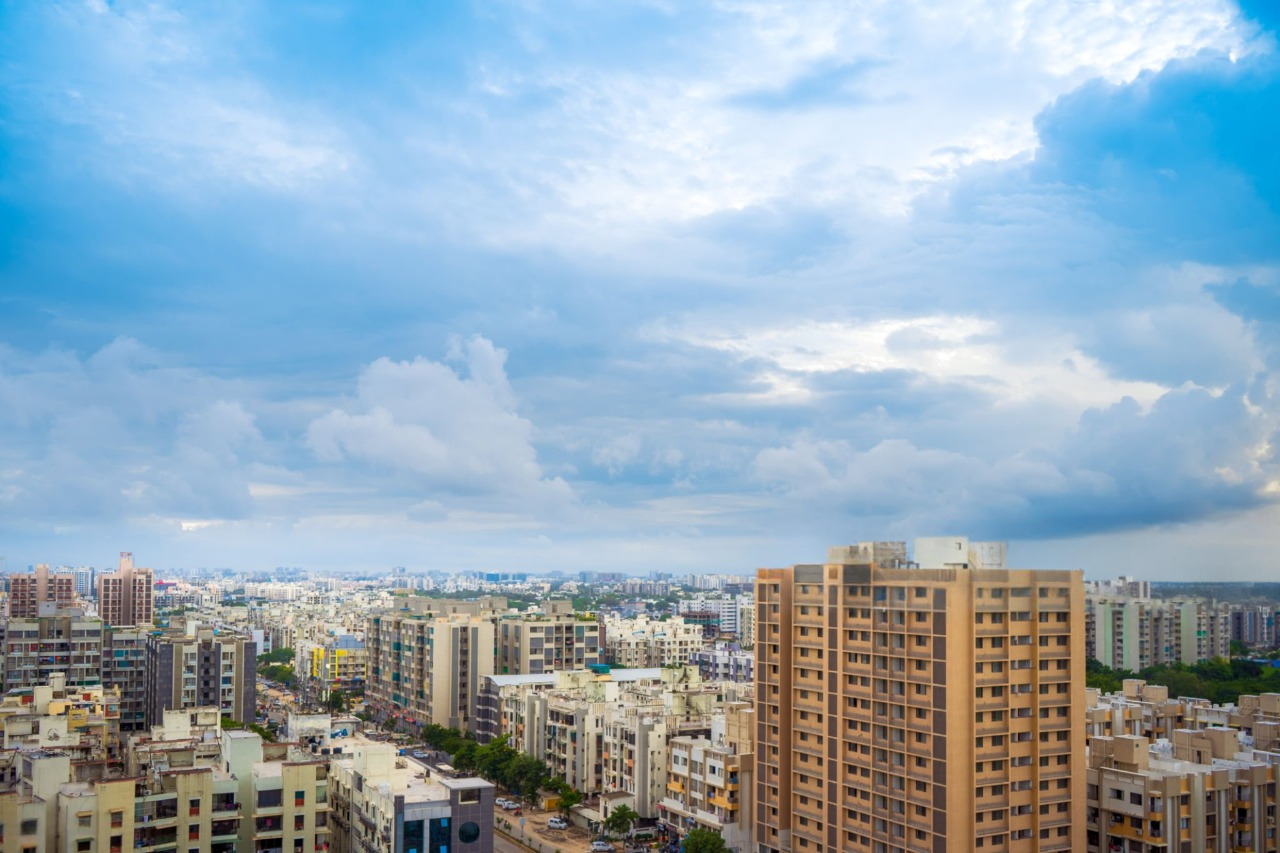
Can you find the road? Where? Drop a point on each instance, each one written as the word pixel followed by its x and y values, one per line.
pixel 502 844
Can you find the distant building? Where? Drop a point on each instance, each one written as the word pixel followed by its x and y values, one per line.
pixel 426 668
pixel 124 667
pixel 125 597
pixel 1135 633
pixel 62 641
pixel 27 592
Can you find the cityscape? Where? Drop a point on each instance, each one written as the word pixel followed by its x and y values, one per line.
pixel 900 698
pixel 634 426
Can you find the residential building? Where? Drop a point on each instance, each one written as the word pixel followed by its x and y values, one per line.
pixel 504 703
pixel 725 662
pixel 643 642
pixel 709 780
pixel 125 596
pixel 426 668
pixel 29 592
pixel 383 803
pixel 1134 633
pixel 1202 792
pixel 58 641
pixel 124 667
pixel 925 705
pixel 553 639
pixel 336 663
pixel 201 669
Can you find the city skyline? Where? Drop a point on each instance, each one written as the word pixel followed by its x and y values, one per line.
pixel 495 286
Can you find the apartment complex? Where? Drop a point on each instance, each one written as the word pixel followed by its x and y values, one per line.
pixel 388 804
pixel 1201 792
pixel 1132 633
pixel 336 662
pixel 124 667
pixel 643 642
pixel 914 707
pixel 63 641
pixel 709 780
pixel 553 639
pixel 202 669
pixel 125 597
pixel 426 668
pixel 28 592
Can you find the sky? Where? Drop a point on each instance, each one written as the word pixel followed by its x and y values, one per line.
pixel 639 286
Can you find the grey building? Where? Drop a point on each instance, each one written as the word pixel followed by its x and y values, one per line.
pixel 210 669
pixel 124 665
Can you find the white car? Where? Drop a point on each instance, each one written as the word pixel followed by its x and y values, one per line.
pixel 557 823
pixel 502 802
pixel 509 805
pixel 601 847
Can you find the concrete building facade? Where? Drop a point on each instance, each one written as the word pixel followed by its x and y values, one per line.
pixel 919 709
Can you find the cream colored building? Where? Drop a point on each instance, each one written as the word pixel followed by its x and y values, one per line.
pixel 426 668
pixel 643 642
pixel 384 803
pixel 551 640
pixel 1201 792
pixel 919 709
pixel 709 780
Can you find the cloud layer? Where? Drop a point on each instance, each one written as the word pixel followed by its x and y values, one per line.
pixel 641 285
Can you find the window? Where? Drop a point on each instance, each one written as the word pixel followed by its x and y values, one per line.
pixel 30 827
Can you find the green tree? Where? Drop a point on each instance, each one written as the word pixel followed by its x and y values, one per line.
pixel 338 701
pixel 620 820
pixel 704 841
pixel 281 655
pixel 569 799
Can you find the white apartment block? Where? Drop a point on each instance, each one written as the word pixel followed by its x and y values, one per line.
pixel 643 642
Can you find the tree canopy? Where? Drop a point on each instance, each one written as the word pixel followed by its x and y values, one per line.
pixel 1219 680
pixel 704 841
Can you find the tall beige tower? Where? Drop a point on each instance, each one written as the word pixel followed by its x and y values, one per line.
pixel 124 598
pixel 902 708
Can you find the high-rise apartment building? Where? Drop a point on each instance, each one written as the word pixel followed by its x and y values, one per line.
pixel 424 668
pixel 125 597
pixel 124 666
pixel 28 591
pixel 903 706
pixel 1134 633
pixel 554 639
pixel 205 669
pixel 63 641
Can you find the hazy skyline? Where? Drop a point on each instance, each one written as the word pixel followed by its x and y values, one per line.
pixel 644 285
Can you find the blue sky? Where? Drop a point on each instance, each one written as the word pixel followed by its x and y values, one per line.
pixel 647 285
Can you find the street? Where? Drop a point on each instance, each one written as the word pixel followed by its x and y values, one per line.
pixel 502 844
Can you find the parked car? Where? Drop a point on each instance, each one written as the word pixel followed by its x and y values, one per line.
pixel 501 802
pixel 601 847
pixel 509 805
pixel 557 823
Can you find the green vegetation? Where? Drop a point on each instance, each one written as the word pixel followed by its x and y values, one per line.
pixel 266 734
pixel 500 763
pixel 620 820
pixel 283 655
pixel 339 702
pixel 279 672
pixel 1219 680
pixel 704 841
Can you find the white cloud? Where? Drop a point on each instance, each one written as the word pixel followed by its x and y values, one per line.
pixel 959 349
pixel 444 432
